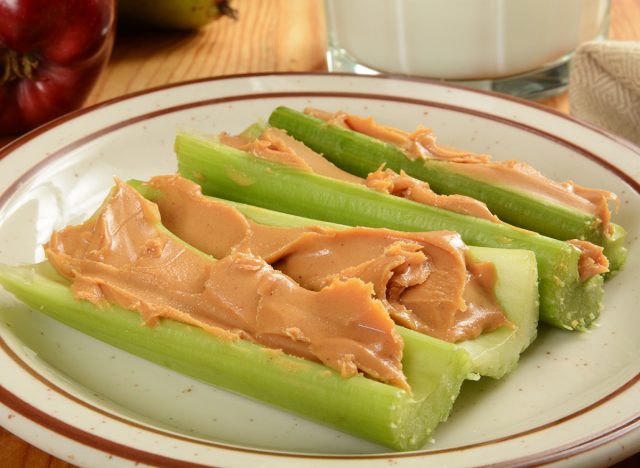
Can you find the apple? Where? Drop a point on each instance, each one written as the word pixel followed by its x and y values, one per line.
pixel 51 54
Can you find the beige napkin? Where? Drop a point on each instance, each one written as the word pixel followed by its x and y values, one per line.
pixel 604 86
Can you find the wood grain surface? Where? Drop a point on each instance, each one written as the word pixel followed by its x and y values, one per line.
pixel 270 35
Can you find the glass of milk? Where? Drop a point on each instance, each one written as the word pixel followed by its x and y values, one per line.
pixel 520 47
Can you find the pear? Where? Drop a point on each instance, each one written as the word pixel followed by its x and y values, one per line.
pixel 175 14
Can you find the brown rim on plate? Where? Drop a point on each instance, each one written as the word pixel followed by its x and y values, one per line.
pixel 46 420
pixel 124 451
pixel 630 180
pixel 505 97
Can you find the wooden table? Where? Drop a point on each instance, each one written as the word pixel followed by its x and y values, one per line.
pixel 271 35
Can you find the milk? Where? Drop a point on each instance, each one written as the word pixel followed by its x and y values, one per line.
pixel 462 39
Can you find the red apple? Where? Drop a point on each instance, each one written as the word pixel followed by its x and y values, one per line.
pixel 51 54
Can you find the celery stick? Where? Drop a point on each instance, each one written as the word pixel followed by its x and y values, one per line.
pixel 493 354
pixel 361 154
pixel 222 171
pixel 358 405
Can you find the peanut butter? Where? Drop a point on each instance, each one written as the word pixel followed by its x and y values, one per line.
pixel 275 145
pixel 425 280
pixel 592 261
pixel 405 186
pixel 123 256
pixel 421 144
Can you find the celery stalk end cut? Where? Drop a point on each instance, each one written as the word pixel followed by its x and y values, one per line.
pixel 614 248
pixel 496 353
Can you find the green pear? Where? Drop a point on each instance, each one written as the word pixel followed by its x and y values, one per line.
pixel 175 14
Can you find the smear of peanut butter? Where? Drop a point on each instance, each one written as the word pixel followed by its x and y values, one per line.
pixel 123 256
pixel 275 145
pixel 592 261
pixel 422 144
pixel 426 280
pixel 405 186
pixel 521 176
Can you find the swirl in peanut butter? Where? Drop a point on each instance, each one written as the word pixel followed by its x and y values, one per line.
pixel 426 280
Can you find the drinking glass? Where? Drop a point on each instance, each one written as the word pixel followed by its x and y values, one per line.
pixel 518 47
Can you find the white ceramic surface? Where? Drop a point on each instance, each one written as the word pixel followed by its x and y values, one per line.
pixel 573 399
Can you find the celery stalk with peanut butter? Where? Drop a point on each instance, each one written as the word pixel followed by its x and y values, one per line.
pixel 121 257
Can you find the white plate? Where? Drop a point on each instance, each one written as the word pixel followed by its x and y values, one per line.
pixel 574 397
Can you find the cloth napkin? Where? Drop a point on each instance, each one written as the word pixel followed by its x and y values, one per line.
pixel 604 86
